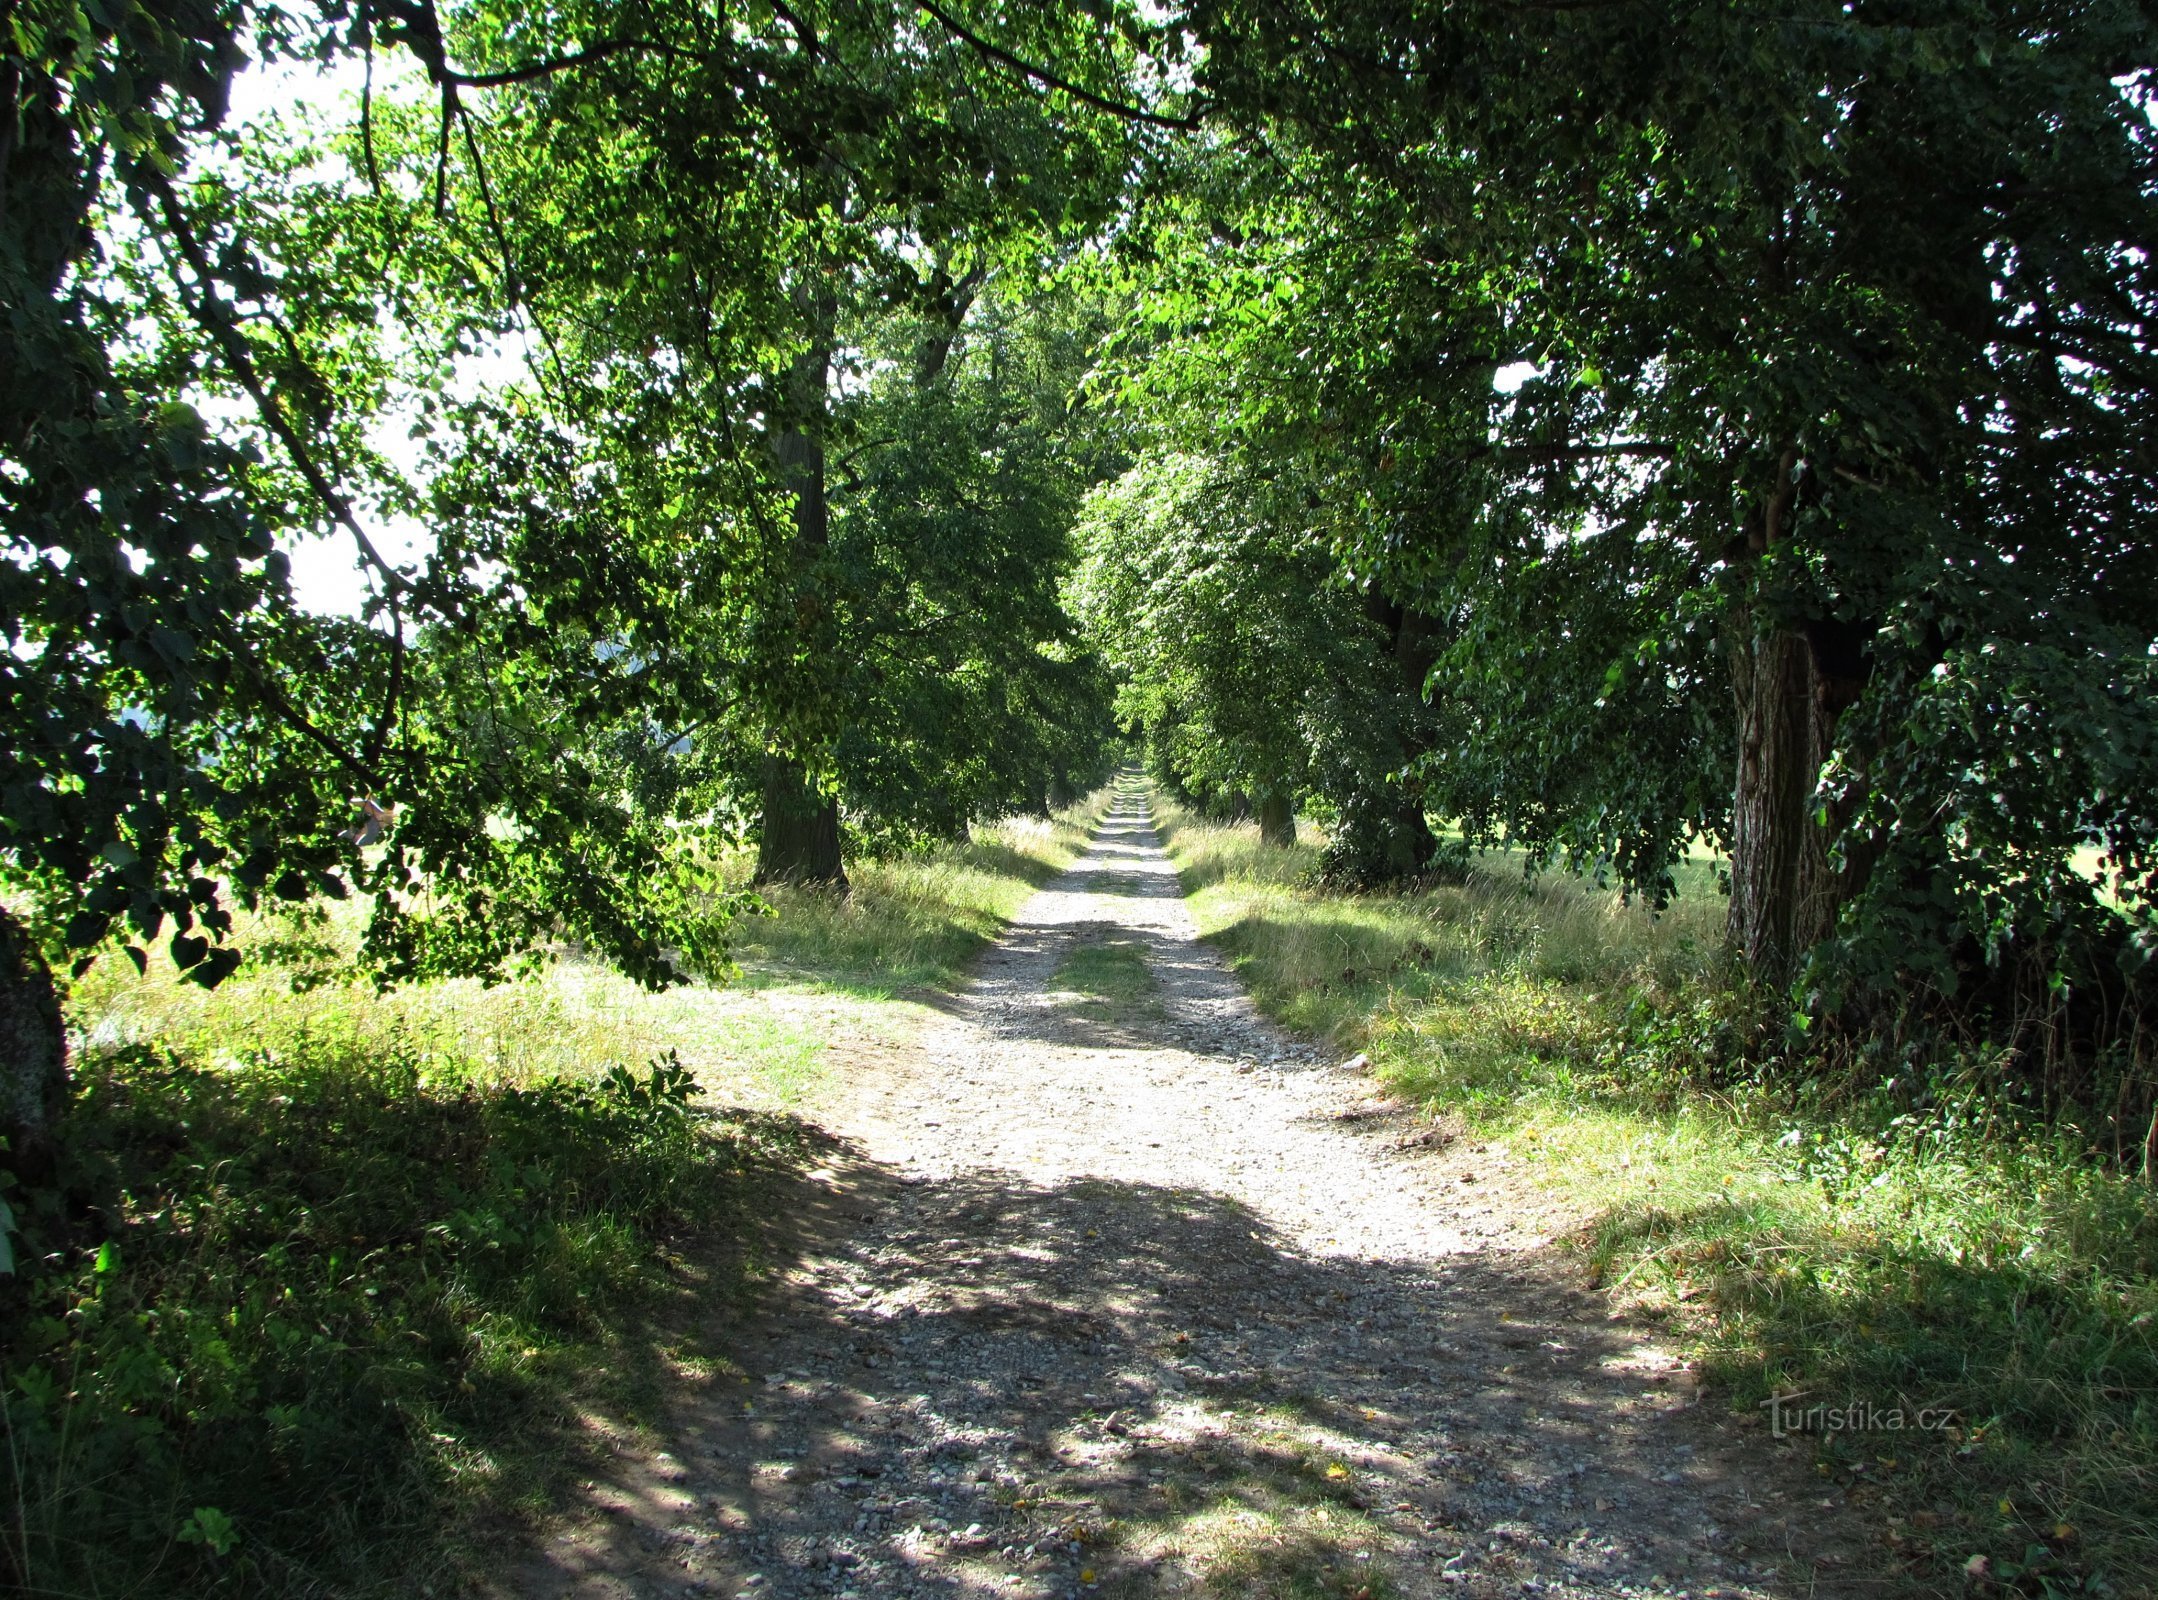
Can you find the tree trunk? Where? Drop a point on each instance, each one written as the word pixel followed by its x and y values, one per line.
pixel 1793 685
pixel 1277 820
pixel 1782 901
pixel 799 842
pixel 1382 835
pixel 33 1054
pixel 1792 682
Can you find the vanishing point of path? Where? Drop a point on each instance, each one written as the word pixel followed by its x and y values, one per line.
pixel 1132 1295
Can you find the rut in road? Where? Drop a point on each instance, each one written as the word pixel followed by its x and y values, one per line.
pixel 1124 1296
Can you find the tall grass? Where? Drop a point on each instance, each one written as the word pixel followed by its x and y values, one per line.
pixel 1919 1251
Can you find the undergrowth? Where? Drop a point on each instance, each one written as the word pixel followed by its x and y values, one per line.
pixel 1963 1278
pixel 283 1313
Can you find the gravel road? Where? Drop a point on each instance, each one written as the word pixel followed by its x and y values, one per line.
pixel 1142 1298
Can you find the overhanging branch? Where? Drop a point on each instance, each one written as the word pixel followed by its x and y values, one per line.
pixel 1027 69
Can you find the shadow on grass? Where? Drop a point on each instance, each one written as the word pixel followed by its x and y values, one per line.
pixel 2001 1384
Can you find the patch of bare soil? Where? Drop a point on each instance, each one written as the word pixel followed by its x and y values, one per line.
pixel 1156 1303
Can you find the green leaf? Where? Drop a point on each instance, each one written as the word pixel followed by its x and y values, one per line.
pixel 210 1526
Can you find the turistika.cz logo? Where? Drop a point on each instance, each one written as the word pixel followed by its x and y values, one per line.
pixel 1787 1414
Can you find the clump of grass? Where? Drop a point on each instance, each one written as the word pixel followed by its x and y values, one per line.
pixel 1995 1298
pixel 1106 980
pixel 291 1317
pixel 1916 1253
pixel 567 1020
pixel 1284 1552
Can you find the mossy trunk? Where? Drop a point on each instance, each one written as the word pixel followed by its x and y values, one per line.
pixel 1277 820
pixel 33 1053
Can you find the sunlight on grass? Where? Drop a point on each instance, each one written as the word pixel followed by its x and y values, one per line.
pixel 1108 980
pixel 1954 1258
pixel 823 972
pixel 915 920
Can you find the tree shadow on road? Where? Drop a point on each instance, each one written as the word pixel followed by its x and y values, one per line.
pixel 1019 1384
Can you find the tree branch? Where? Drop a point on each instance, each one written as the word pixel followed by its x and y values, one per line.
pixel 1545 454
pixel 1026 69
pixel 215 319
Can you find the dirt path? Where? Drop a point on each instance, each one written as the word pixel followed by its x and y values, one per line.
pixel 1112 1290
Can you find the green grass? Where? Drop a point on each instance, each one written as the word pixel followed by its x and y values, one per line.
pixel 1909 1249
pixel 1107 980
pixel 312 1310
pixel 333 1279
pixel 915 921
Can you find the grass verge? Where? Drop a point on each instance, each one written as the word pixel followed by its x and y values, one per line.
pixel 916 920
pixel 1910 1254
pixel 332 1275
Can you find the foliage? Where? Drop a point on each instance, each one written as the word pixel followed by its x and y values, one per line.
pixel 1256 676
pixel 182 736
pixel 968 693
pixel 1216 624
pixel 317 1289
pixel 1665 357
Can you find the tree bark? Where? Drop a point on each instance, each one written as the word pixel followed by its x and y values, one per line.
pixel 799 840
pixel 1277 820
pixel 33 1053
pixel 1782 892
